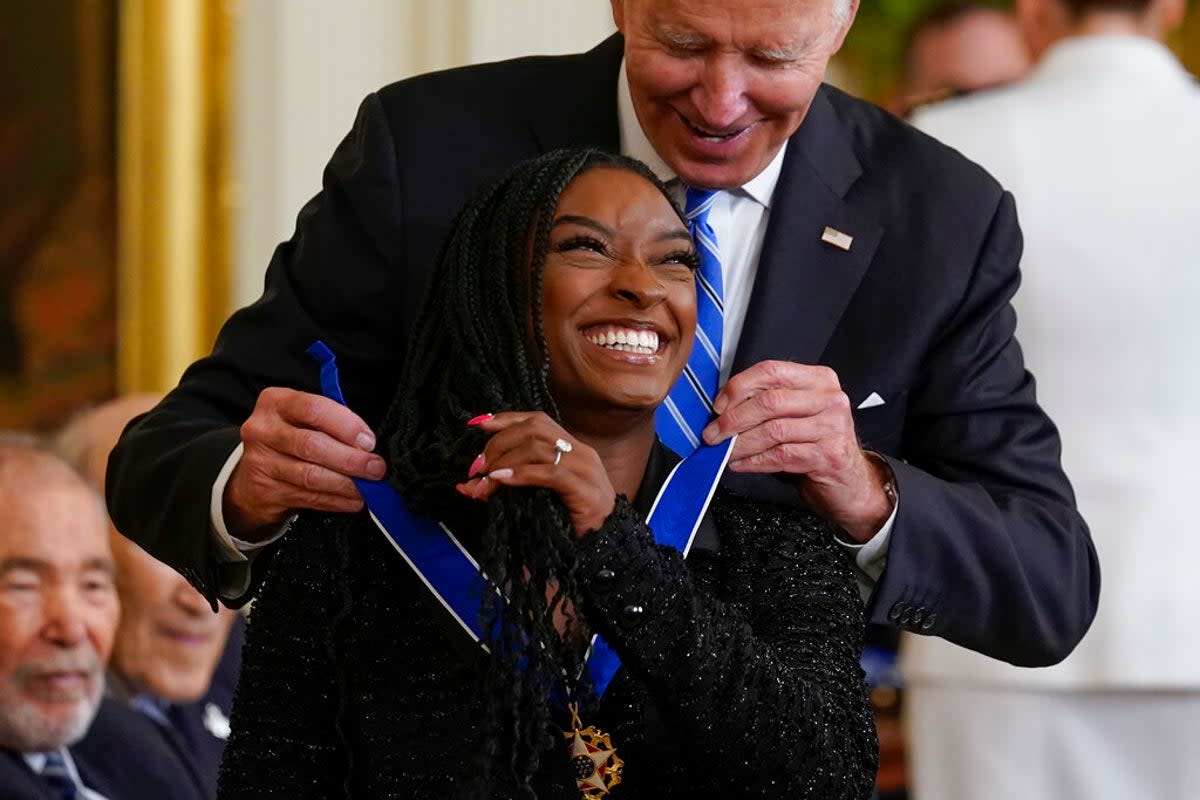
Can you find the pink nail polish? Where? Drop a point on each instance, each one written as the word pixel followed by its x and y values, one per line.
pixel 461 488
pixel 476 466
pixel 500 474
pixel 482 418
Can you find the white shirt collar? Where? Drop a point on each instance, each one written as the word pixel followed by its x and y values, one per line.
pixel 634 144
pixel 37 761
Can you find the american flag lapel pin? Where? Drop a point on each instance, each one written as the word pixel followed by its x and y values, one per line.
pixel 836 238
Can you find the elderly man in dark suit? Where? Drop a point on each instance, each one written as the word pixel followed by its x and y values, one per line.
pixel 59 739
pixel 174 659
pixel 868 359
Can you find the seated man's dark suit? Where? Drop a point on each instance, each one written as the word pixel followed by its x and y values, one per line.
pixel 197 731
pixel 987 549
pixel 122 757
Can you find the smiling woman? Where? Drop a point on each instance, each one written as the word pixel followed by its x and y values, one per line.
pixel 566 614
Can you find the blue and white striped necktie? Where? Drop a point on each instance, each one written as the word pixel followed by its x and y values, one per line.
pixel 56 773
pixel 689 406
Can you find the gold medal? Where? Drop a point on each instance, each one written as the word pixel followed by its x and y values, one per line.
pixel 594 761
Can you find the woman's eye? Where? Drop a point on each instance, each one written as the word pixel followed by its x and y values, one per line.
pixel 688 258
pixel 589 243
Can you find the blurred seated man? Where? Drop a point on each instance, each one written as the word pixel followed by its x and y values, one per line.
pixel 59 737
pixel 957 48
pixel 174 659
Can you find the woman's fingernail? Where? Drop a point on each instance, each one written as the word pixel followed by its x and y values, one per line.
pixel 461 488
pixel 476 465
pixel 500 474
pixel 482 418
pixel 479 488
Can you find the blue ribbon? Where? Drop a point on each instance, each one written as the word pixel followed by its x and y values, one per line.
pixel 453 575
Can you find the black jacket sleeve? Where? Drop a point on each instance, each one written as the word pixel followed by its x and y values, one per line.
pixel 764 682
pixel 160 475
pixel 988 549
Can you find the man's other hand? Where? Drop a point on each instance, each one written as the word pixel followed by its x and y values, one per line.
pixel 300 450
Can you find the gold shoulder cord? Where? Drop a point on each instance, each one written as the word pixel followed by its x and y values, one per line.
pixel 594 760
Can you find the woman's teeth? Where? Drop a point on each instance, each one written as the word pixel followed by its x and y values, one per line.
pixel 626 340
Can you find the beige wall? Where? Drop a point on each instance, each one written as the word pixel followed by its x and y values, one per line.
pixel 303 66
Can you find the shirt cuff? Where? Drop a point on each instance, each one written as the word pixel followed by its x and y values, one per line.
pixel 870 557
pixel 231 550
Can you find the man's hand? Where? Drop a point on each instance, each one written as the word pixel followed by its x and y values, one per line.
pixel 300 450
pixel 795 419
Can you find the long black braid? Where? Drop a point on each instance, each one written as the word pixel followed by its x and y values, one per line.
pixel 471 352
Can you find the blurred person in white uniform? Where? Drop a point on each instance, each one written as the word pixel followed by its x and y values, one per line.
pixel 1101 147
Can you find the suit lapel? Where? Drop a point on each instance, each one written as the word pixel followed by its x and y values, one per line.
pixel 17 780
pixel 804 284
pixel 584 94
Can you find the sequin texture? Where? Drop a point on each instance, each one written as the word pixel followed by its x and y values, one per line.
pixel 740 677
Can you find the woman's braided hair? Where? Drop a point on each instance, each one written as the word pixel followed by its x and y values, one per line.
pixel 478 346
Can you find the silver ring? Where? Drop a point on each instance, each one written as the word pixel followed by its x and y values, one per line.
pixel 561 446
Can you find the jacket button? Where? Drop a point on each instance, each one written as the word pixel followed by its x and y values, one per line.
pixel 896 610
pixel 929 621
pixel 917 617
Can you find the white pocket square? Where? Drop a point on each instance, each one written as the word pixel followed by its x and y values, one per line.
pixel 873 399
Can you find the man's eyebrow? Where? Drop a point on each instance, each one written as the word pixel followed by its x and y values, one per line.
pixel 100 563
pixel 683 39
pixel 13 563
pixel 23 562
pixel 587 222
pixel 780 53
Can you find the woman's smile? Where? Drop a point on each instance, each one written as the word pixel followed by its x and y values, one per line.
pixel 641 342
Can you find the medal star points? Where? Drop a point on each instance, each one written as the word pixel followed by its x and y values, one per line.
pixel 594 762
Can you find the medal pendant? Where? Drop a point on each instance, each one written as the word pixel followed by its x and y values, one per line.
pixel 594 761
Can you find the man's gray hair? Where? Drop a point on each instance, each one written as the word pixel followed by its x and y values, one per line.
pixel 841 11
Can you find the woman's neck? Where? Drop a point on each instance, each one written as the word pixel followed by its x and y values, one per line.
pixel 624 453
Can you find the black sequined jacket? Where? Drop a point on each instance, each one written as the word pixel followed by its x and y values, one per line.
pixel 740 672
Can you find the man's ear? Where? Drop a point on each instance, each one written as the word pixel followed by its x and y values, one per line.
pixel 1170 14
pixel 1042 22
pixel 846 25
pixel 618 12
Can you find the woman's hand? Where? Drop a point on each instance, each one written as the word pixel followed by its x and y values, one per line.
pixel 522 452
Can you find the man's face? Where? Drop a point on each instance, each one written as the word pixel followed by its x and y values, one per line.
pixel 169 640
pixel 719 85
pixel 58 611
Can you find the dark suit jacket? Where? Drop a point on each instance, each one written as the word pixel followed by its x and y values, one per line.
pixel 195 728
pixel 987 550
pixel 122 757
